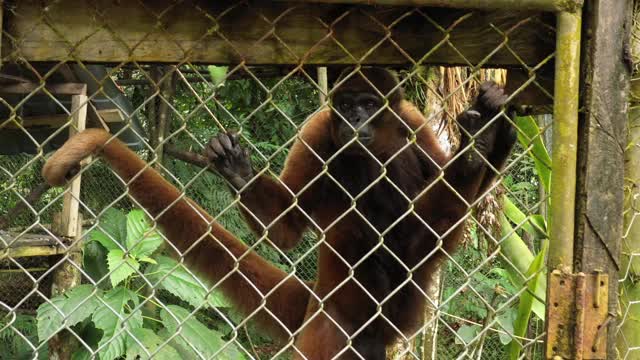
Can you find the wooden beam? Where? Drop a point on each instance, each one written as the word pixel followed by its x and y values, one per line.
pixel 55 121
pixel 228 32
pixel 545 5
pixel 602 134
pixel 25 245
pixel 537 95
pixel 55 89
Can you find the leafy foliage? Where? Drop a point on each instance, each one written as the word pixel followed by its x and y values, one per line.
pixel 110 319
pixel 66 310
pixel 172 276
pixel 196 338
pixel 17 336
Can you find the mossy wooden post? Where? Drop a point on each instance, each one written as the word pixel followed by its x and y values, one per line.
pixel 565 137
pixel 563 176
pixel 67 274
pixel 602 139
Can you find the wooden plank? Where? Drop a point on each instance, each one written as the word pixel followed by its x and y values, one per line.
pixel 52 121
pixel 71 204
pixel 537 95
pixel 111 116
pixel 262 32
pixel 546 5
pixel 107 116
pixel 14 245
pixel 55 89
pixel 602 139
pixel 9 240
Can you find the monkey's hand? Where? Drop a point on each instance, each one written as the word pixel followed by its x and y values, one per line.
pixel 231 160
pixel 491 137
pixel 478 125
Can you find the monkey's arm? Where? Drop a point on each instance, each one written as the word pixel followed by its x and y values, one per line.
pixel 206 246
pixel 426 139
pixel 486 139
pixel 278 206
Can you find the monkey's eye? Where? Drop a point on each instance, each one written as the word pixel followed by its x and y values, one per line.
pixel 370 104
pixel 344 106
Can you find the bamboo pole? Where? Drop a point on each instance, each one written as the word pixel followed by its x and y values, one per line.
pixel 545 5
pixel 565 138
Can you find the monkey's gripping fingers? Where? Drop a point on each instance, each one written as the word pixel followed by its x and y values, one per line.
pixel 230 159
pixel 482 128
pixel 491 97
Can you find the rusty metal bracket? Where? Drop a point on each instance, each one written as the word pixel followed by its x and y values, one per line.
pixel 577 315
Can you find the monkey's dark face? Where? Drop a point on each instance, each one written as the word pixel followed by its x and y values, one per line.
pixel 358 115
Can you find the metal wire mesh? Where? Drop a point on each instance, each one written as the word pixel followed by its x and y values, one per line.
pixel 627 342
pixel 111 302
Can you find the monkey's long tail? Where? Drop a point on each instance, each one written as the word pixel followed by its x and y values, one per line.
pixel 246 278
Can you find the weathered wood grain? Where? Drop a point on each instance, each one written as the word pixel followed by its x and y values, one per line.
pixel 271 33
pixel 602 138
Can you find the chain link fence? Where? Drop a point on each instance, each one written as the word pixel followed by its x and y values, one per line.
pixel 92 270
pixel 627 341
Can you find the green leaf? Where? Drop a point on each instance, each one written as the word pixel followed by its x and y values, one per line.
pixel 176 343
pixel 94 263
pixel 120 266
pixel 516 251
pixel 467 333
pixel 207 342
pixel 104 240
pixel 525 307
pixel 506 321
pixel 539 223
pixel 91 336
pixel 218 74
pixel 151 343
pixel 81 354
pixel 75 305
pixel 534 225
pixel 109 318
pixel 112 229
pixel 182 283
pixel 141 240
pixel 529 135
pixel 148 260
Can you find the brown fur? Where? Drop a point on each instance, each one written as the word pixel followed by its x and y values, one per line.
pixel 207 247
pixel 304 197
